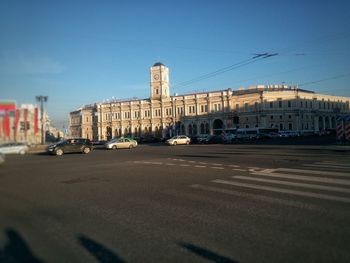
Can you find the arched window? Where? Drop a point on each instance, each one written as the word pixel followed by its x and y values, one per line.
pixel 195 131
pixel 202 128
pixel 207 128
pixel 190 129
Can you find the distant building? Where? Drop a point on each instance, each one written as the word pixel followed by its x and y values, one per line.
pixel 19 124
pixel 162 115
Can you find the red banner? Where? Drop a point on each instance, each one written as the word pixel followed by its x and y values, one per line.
pixel 25 122
pixel 16 123
pixel 6 124
pixel 36 121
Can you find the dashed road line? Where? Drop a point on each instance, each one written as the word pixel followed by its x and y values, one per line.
pixel 218 168
pixel 239 170
pixel 200 166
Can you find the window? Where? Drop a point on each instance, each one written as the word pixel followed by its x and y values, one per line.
pixel 191 109
pixel 280 104
pixel 271 104
pixel 246 106
pixel 271 117
pixel 289 104
pixel 168 112
pixel 289 116
pixel 157 91
pixel 157 112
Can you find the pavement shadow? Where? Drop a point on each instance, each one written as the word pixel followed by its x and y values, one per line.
pixel 99 251
pixel 206 254
pixel 16 250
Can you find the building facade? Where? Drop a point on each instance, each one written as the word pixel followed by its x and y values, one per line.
pixel 162 115
pixel 20 124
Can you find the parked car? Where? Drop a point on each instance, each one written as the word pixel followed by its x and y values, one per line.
pixel 180 139
pixel 120 143
pixel 14 148
pixel 201 139
pixel 213 139
pixel 101 142
pixel 74 145
pixel 288 134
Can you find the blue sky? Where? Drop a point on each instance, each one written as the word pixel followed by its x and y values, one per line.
pixel 79 52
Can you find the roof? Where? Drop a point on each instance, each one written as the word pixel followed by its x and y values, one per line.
pixel 158 64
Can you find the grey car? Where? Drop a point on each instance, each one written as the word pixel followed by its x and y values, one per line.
pixel 14 148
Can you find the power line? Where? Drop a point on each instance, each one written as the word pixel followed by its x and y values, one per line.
pixel 326 79
pixel 245 62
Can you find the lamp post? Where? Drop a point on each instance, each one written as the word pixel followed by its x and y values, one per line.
pixel 42 99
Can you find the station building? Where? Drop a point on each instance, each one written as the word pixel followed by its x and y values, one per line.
pixel 162 115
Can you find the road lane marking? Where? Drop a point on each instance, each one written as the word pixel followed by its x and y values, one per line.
pixel 239 170
pixel 200 166
pixel 284 191
pixel 184 165
pixel 217 164
pixel 327 166
pixel 233 165
pixel 218 168
pixel 333 163
pixel 311 186
pixel 159 163
pixel 192 161
pixel 305 178
pixel 258 197
pixel 171 164
pixel 202 162
pixel 311 172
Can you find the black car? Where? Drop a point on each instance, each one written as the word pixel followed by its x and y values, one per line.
pixel 75 145
pixel 213 139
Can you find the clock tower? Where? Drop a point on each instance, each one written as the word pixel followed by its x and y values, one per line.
pixel 159 81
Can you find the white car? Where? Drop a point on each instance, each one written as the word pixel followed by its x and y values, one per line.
pixel 121 143
pixel 14 148
pixel 180 139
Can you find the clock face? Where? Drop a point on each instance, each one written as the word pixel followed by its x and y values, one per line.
pixel 156 76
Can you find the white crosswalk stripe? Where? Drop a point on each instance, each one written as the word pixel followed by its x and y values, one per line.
pixel 286 191
pixel 332 183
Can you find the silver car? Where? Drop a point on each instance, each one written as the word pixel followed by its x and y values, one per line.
pixel 180 139
pixel 121 143
pixel 14 148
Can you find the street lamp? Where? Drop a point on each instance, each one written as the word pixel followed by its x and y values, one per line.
pixel 42 99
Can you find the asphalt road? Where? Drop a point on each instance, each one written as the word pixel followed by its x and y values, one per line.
pixel 195 203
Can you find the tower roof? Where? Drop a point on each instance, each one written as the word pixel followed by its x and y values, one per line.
pixel 158 64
